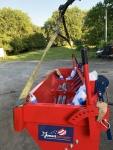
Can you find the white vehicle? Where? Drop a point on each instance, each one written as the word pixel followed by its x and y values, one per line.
pixel 99 53
pixel 2 52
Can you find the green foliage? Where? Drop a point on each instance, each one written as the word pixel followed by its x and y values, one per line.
pixel 49 27
pixel 102 43
pixel 28 43
pixel 94 24
pixel 13 24
pixel 18 34
pixel 108 3
pixel 79 44
pixel 36 41
pixel 16 44
pixel 74 20
pixel 53 54
pixel 17 31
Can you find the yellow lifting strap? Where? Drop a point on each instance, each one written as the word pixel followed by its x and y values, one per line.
pixel 27 88
pixel 33 76
pixel 22 100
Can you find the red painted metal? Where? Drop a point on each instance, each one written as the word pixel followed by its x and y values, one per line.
pixel 82 114
pixel 88 87
pixel 82 119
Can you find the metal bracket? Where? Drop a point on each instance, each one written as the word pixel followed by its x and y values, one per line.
pixel 104 122
pixel 82 114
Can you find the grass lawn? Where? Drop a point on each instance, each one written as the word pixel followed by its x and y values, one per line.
pixel 53 54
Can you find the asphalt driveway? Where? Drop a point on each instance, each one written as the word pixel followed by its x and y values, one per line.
pixel 13 77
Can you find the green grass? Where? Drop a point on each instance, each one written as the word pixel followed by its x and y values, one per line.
pixel 53 54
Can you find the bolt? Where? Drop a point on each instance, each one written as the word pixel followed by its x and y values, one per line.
pixel 65 149
pixel 76 141
pixel 100 94
pixel 71 145
pixel 105 120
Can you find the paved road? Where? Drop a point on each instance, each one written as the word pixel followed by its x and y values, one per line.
pixel 13 77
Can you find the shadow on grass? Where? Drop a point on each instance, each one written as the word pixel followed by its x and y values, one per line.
pixel 53 54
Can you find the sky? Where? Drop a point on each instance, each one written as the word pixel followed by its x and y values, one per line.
pixel 40 10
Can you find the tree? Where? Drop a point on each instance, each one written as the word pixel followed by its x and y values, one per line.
pixel 108 3
pixel 16 43
pixel 109 6
pixel 14 24
pixel 49 27
pixel 36 41
pixel 94 24
pixel 79 44
pixel 73 18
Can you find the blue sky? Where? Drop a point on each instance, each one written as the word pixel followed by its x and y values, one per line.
pixel 40 10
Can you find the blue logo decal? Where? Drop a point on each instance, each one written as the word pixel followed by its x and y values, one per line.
pixel 55 133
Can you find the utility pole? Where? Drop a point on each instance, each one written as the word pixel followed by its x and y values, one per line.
pixel 105 24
